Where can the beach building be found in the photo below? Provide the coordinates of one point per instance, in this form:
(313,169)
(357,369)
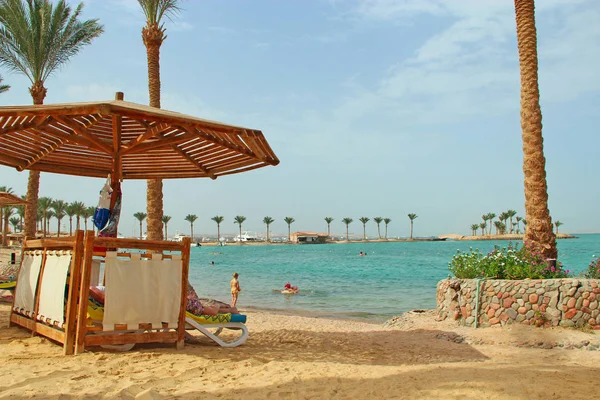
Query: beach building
(308,237)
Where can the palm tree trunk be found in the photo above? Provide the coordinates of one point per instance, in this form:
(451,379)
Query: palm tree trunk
(141,230)
(33,186)
(38,93)
(153,37)
(192,229)
(539,232)
(154,199)
(411,228)
(218,232)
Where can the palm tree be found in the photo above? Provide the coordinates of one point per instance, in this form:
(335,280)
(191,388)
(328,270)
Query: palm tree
(500,227)
(474,228)
(87,213)
(44,204)
(485,218)
(50,214)
(15,222)
(218,219)
(239,219)
(36,39)
(79,209)
(378,221)
(3,225)
(386,221)
(557,224)
(3,88)
(153,35)
(7,212)
(70,211)
(165,221)
(140,216)
(538,234)
(364,221)
(191,218)
(511,214)
(329,220)
(490,217)
(518,219)
(268,221)
(483,226)
(289,221)
(347,221)
(61,208)
(412,217)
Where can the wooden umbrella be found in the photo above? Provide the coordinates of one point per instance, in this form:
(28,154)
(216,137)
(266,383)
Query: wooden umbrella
(9,199)
(126,140)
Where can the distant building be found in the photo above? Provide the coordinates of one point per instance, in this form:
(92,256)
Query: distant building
(308,237)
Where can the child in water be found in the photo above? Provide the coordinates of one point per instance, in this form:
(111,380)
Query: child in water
(235,289)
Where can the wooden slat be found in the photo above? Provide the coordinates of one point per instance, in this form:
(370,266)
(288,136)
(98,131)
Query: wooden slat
(88,252)
(73,294)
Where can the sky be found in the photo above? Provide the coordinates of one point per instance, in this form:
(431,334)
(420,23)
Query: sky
(376,108)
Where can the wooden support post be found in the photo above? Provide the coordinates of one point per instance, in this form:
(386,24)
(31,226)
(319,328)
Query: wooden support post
(73,294)
(185,265)
(84,288)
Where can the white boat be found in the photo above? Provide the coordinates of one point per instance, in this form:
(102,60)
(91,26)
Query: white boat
(245,237)
(178,237)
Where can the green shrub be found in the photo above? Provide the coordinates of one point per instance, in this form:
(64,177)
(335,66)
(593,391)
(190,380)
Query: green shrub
(509,262)
(593,271)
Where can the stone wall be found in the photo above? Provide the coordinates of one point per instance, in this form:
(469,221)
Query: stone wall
(539,302)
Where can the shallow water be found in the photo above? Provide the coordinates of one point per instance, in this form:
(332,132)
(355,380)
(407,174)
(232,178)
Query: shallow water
(334,281)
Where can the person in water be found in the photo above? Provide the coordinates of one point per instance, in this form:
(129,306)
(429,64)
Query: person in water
(235,289)
(288,288)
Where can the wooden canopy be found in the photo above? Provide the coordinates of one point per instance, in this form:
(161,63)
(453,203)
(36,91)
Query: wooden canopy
(8,199)
(127,140)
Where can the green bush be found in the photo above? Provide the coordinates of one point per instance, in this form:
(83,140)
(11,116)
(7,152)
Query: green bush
(593,271)
(509,262)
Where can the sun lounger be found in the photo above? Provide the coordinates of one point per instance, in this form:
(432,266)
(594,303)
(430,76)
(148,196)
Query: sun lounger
(204,324)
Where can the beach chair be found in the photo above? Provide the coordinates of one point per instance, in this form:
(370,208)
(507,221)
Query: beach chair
(206,323)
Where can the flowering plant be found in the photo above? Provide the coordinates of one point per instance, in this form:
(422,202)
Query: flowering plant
(593,271)
(509,262)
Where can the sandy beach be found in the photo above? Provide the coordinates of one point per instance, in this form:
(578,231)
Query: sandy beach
(311,358)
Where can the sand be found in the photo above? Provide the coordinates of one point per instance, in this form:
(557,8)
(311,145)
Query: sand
(294,357)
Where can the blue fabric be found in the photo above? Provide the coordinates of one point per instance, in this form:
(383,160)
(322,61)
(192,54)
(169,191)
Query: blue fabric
(238,318)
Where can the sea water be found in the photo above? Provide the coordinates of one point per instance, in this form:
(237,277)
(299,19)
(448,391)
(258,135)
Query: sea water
(335,281)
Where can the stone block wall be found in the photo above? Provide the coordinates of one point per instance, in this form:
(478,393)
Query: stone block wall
(539,302)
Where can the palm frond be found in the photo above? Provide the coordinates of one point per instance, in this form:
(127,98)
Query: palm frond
(155,10)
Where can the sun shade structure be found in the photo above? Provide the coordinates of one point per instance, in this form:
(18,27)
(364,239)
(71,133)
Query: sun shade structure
(126,140)
(8,199)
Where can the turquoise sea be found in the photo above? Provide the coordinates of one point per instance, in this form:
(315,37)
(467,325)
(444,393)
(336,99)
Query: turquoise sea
(335,281)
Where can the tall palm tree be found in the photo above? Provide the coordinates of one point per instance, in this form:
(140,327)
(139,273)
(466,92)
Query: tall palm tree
(268,221)
(50,214)
(7,212)
(15,222)
(44,204)
(70,211)
(61,208)
(21,213)
(191,218)
(153,35)
(88,212)
(483,226)
(412,217)
(490,217)
(329,220)
(347,221)
(474,228)
(364,221)
(386,221)
(218,219)
(140,216)
(165,221)
(558,224)
(538,232)
(37,37)
(485,218)
(289,221)
(79,209)
(378,221)
(511,214)
(518,219)
(239,219)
